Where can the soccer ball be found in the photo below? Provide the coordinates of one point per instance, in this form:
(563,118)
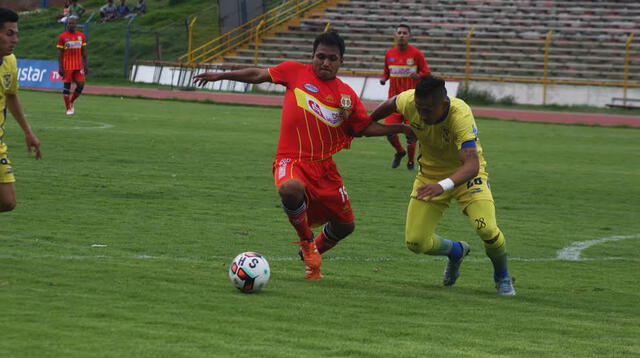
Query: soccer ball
(249,272)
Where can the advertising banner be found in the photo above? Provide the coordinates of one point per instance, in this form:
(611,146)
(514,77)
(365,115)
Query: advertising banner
(38,74)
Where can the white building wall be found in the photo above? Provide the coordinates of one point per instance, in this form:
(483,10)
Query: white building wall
(369,88)
(528,93)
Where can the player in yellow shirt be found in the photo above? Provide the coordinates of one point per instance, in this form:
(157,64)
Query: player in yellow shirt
(9,99)
(451,166)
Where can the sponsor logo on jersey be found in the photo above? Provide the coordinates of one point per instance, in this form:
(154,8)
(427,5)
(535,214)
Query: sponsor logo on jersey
(476,191)
(73,44)
(402,71)
(409,61)
(330,116)
(417,126)
(311,88)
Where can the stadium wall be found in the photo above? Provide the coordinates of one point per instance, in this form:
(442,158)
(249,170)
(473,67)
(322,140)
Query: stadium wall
(369,88)
(569,95)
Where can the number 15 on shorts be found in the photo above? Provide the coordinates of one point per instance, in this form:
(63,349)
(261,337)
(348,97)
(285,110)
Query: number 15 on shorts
(343,194)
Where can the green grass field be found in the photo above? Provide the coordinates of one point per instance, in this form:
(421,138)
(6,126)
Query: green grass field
(176,189)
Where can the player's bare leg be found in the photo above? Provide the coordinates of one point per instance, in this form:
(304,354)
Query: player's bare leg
(66,94)
(400,152)
(292,193)
(76,93)
(7,197)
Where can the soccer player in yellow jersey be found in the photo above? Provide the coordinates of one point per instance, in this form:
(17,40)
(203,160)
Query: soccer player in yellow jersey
(451,166)
(9,99)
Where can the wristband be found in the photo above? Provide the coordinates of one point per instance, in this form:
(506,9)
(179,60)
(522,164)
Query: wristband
(446,184)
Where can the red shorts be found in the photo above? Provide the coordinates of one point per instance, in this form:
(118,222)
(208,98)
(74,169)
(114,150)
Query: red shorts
(396,118)
(327,198)
(73,76)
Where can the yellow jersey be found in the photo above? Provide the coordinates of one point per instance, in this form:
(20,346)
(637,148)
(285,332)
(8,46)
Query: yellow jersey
(9,85)
(440,142)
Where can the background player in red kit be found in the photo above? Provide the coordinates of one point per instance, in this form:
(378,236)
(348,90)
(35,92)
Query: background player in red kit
(72,59)
(404,65)
(320,116)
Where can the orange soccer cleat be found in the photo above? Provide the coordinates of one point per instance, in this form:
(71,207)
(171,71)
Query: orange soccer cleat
(312,259)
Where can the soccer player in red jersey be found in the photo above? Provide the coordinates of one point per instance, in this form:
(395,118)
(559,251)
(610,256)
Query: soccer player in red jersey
(320,116)
(404,65)
(72,60)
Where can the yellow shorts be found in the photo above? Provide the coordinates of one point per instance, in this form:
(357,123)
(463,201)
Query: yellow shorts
(475,189)
(6,171)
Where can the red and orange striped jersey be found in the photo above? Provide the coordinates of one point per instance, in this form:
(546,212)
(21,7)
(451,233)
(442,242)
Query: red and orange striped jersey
(319,118)
(72,43)
(398,67)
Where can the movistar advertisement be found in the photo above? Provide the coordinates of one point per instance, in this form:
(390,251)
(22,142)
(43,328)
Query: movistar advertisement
(39,74)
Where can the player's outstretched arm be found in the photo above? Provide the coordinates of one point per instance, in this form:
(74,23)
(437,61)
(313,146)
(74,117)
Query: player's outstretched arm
(376,129)
(33,144)
(384,109)
(247,75)
(468,170)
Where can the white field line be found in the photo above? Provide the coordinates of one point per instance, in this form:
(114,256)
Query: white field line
(96,125)
(569,253)
(573,251)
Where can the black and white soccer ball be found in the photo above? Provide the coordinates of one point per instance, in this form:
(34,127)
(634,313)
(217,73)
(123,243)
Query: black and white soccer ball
(249,272)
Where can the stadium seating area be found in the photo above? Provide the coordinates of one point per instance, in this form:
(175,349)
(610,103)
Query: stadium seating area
(588,41)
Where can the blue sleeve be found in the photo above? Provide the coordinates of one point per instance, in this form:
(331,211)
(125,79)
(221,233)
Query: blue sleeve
(469,144)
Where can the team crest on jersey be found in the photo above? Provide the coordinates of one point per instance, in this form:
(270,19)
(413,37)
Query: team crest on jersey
(392,59)
(475,132)
(6,80)
(409,61)
(446,137)
(311,88)
(345,102)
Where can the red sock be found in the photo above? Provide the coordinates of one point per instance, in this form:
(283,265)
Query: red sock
(298,219)
(75,95)
(395,142)
(323,243)
(411,150)
(67,101)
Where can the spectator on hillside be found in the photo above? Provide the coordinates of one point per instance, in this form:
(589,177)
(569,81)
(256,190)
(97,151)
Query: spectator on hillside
(76,9)
(141,8)
(108,12)
(123,9)
(66,11)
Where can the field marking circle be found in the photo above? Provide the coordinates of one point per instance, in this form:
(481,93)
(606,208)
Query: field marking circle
(573,251)
(97,125)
